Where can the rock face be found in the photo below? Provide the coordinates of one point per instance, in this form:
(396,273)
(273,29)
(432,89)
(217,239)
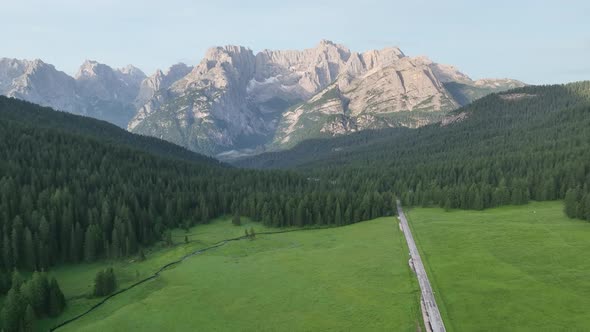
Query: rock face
(97,90)
(40,83)
(208,109)
(235,99)
(379,89)
(160,81)
(109,93)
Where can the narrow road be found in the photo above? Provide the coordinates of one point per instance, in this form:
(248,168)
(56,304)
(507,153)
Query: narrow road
(432,318)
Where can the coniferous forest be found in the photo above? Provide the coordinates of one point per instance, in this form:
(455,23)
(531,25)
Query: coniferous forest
(67,197)
(530,143)
(74,189)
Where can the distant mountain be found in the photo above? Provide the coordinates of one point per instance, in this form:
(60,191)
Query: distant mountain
(97,90)
(237,100)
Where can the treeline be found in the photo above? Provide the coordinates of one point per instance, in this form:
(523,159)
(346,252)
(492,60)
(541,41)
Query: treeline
(527,143)
(70,198)
(577,203)
(27,301)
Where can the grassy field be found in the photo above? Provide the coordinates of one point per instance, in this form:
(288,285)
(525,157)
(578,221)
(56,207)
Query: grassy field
(77,280)
(507,269)
(349,278)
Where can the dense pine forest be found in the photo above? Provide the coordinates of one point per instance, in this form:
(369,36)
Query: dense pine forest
(68,196)
(507,148)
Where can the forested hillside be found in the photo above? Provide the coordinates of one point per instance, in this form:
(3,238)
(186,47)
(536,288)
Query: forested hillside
(29,114)
(66,195)
(507,148)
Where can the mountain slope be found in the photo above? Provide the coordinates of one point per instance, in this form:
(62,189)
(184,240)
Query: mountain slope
(97,90)
(27,114)
(401,93)
(237,99)
(509,147)
(511,113)
(207,109)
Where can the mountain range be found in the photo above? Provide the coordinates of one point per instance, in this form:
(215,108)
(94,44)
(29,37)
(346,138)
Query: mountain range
(235,99)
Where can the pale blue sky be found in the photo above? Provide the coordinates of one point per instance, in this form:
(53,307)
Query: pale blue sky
(534,41)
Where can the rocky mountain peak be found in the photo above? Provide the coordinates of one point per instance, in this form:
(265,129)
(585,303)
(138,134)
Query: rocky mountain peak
(236,99)
(90,68)
(132,73)
(326,42)
(230,53)
(177,68)
(160,81)
(381,58)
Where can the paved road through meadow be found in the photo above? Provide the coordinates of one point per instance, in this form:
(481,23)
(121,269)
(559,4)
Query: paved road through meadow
(432,318)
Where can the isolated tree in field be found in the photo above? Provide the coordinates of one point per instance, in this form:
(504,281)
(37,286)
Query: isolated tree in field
(105,282)
(57,301)
(236,219)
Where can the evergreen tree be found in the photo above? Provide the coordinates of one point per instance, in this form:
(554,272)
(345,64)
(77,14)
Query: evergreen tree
(448,205)
(141,257)
(29,319)
(90,244)
(168,238)
(39,288)
(105,282)
(348,215)
(29,251)
(56,301)
(7,252)
(17,280)
(338,215)
(13,310)
(571,203)
(236,219)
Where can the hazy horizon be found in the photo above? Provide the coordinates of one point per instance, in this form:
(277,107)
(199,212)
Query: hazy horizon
(535,42)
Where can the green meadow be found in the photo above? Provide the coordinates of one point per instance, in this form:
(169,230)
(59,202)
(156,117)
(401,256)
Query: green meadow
(348,278)
(516,268)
